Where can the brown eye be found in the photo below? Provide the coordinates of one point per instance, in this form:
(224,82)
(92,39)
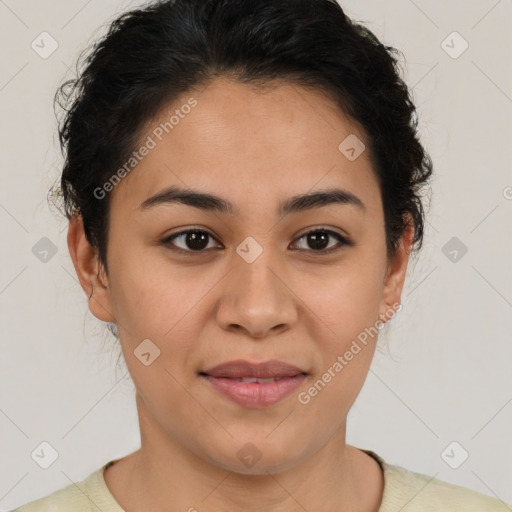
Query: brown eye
(193,240)
(197,241)
(318,240)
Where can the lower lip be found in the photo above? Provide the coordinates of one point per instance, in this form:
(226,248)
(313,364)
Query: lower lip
(255,394)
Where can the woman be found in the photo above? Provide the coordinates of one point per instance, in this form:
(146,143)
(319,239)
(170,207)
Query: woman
(243,185)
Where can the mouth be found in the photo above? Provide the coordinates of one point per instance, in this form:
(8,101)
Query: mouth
(240,369)
(249,379)
(254,385)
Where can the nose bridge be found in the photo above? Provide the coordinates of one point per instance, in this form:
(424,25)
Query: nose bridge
(256,299)
(258,277)
(259,288)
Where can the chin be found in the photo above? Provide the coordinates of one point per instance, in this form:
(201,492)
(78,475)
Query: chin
(258,458)
(262,467)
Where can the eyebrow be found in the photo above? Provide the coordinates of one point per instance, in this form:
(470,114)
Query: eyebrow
(210,202)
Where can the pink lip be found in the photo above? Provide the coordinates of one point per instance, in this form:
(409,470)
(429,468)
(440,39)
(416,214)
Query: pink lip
(255,394)
(226,378)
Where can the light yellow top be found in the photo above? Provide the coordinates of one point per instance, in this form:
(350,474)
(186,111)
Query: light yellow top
(404,491)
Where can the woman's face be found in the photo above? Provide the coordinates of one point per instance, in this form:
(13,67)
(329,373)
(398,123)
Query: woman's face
(253,288)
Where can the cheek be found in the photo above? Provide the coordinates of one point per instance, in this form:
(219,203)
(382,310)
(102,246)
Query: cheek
(345,329)
(151,295)
(163,303)
(346,299)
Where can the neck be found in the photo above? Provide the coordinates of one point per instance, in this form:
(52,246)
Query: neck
(165,476)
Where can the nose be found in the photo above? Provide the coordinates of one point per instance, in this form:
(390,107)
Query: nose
(256,299)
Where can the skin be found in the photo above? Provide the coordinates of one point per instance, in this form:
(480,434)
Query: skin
(255,148)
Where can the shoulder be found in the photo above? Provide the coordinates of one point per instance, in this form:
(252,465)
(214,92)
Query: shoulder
(430,493)
(85,496)
(71,498)
(416,492)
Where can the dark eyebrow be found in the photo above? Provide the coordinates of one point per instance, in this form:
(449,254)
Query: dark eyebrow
(210,202)
(318,199)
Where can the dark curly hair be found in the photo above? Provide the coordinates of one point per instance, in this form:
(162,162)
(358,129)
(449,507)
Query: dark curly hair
(152,55)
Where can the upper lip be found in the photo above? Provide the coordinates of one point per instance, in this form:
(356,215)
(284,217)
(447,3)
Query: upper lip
(240,368)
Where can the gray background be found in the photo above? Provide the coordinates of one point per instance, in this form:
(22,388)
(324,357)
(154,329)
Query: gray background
(447,373)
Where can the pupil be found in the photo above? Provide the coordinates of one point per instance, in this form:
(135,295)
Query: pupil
(197,241)
(318,240)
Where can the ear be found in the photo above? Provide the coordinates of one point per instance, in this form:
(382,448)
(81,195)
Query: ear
(90,271)
(395,274)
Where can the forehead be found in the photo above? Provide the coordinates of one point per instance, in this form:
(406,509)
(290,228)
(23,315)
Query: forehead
(248,144)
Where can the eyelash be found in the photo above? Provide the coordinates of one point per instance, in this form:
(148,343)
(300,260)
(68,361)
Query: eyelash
(343,241)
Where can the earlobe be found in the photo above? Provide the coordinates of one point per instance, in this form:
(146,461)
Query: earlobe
(90,272)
